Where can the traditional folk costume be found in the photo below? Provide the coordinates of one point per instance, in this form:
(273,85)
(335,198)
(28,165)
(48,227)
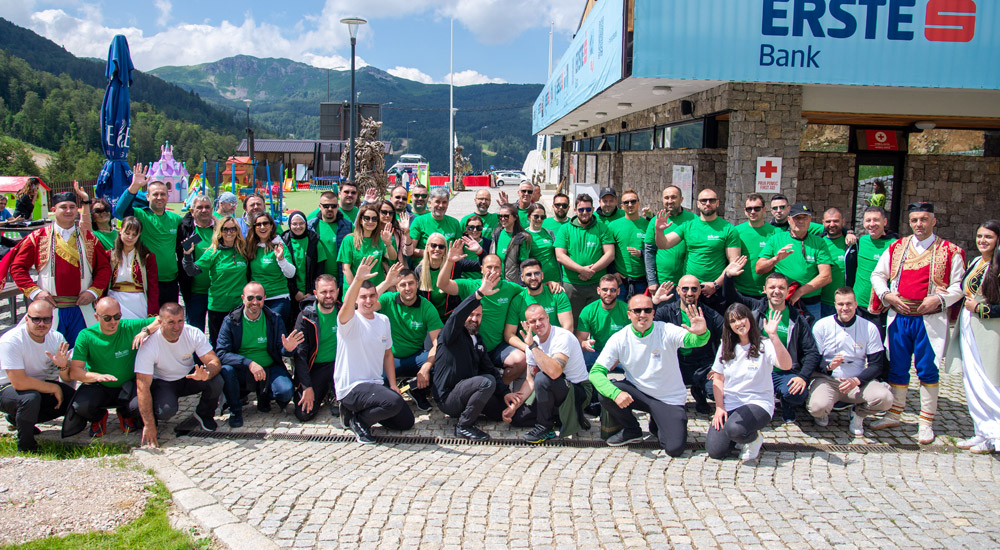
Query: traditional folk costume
(135,285)
(68,262)
(915,270)
(975,349)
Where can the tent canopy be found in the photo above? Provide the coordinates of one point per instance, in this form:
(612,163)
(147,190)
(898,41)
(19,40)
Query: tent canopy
(13,184)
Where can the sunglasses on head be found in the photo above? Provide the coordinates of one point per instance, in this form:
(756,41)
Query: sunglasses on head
(40,320)
(107,318)
(369,218)
(435,246)
(641,310)
(254,298)
(753,208)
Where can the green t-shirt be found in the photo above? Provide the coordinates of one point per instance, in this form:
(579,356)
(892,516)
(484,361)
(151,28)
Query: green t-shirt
(350,215)
(107,239)
(110,354)
(299,246)
(410,324)
(425,226)
(159,235)
(706,246)
(617,215)
(628,233)
(522,214)
(782,331)
(752,241)
(602,323)
(352,257)
(495,309)
(803,264)
(254,343)
(814,229)
(201,282)
(503,242)
(553,224)
(265,270)
(490,222)
(669,262)
(227,271)
(554,304)
(837,249)
(543,250)
(585,246)
(329,246)
(326,348)
(869,252)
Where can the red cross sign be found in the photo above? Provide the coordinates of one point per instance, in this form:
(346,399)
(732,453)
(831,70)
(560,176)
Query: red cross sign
(768,174)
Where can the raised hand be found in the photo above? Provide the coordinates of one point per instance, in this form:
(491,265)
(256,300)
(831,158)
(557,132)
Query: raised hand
(293,340)
(735,268)
(371,195)
(662,220)
(772,322)
(80,192)
(471,245)
(61,358)
(502,198)
(489,285)
(457,251)
(392,276)
(404,223)
(785,252)
(386,234)
(279,252)
(663,293)
(139,174)
(200,373)
(365,268)
(697,319)
(526,335)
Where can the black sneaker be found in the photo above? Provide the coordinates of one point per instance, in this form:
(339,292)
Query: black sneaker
(419,397)
(264,404)
(236,419)
(334,407)
(207,423)
(623,438)
(345,417)
(363,434)
(471,433)
(539,434)
(701,407)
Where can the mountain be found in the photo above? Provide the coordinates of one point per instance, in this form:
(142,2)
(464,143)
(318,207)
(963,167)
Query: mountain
(493,121)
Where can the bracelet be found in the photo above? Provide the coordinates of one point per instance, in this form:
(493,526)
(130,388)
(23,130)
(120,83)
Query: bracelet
(533,345)
(479,295)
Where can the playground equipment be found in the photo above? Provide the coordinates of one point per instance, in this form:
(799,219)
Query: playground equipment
(171,172)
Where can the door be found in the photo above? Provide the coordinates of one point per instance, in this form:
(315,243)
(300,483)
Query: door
(879,182)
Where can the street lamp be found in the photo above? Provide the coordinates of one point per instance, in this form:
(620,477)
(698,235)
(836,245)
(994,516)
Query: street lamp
(408,135)
(352,27)
(249,131)
(482,148)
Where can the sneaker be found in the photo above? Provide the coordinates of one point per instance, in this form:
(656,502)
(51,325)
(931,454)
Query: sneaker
(207,423)
(236,419)
(751,450)
(925,434)
(335,408)
(984,447)
(345,416)
(471,433)
(822,421)
(419,397)
(885,423)
(971,442)
(361,433)
(539,434)
(127,424)
(264,404)
(841,406)
(701,407)
(99,428)
(857,426)
(593,409)
(623,438)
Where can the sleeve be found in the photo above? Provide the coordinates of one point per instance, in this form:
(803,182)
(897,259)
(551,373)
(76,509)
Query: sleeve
(732,238)
(649,255)
(717,366)
(954,293)
(146,357)
(101,270)
(386,298)
(609,355)
(851,265)
(880,276)
(767,348)
(562,302)
(431,318)
(606,236)
(692,340)
(81,350)
(387,329)
(809,357)
(415,230)
(287,268)
(226,348)
(823,256)
(770,246)
(819,334)
(563,344)
(301,356)
(10,356)
(585,321)
(456,321)
(344,254)
(466,287)
(124,207)
(516,310)
(599,378)
(874,339)
(25,256)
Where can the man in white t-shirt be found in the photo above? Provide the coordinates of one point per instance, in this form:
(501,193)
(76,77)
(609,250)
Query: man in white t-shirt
(364,352)
(647,351)
(557,375)
(165,370)
(32,360)
(853,354)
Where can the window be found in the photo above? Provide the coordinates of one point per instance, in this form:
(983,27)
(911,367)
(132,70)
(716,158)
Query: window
(641,141)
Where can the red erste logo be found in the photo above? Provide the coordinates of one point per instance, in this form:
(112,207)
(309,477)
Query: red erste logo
(950,21)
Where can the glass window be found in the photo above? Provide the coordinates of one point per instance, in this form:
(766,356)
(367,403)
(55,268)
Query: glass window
(641,141)
(687,136)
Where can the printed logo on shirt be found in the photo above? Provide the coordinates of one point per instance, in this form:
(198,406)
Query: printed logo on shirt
(714,238)
(266,260)
(416,325)
(173,231)
(503,300)
(615,327)
(187,357)
(261,340)
(753,364)
(656,353)
(120,354)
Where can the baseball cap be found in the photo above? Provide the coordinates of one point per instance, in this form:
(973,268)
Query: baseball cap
(228,196)
(607,191)
(799,209)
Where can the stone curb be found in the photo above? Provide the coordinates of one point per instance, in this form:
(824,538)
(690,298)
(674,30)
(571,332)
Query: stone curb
(201,506)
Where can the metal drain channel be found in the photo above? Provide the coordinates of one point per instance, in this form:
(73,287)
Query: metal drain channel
(576,443)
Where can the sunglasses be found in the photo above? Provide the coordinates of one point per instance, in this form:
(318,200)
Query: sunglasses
(753,208)
(642,310)
(585,210)
(423,196)
(524,192)
(531,275)
(473,228)
(369,218)
(629,203)
(434,246)
(99,211)
(42,320)
(538,217)
(107,318)
(560,205)
(262,224)
(328,206)
(503,216)
(387,212)
(615,290)
(689,289)
(229,229)
(348,192)
(254,298)
(708,201)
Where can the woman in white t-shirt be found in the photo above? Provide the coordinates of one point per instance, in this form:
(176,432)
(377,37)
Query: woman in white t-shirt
(744,392)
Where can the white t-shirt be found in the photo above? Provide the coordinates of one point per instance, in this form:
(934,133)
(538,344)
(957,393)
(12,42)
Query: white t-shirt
(855,342)
(361,346)
(171,361)
(748,380)
(563,341)
(650,362)
(19,352)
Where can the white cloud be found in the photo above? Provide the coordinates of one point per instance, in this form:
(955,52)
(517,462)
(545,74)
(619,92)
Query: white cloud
(470,77)
(411,73)
(164,7)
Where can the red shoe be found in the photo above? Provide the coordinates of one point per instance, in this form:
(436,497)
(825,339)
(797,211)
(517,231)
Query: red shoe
(127,424)
(99,428)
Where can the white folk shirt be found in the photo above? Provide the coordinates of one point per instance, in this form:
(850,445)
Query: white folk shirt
(650,361)
(169,361)
(563,341)
(748,379)
(19,352)
(855,343)
(361,347)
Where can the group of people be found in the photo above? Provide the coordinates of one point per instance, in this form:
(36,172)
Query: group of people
(544,322)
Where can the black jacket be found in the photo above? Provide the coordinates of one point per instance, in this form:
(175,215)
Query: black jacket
(670,312)
(305,355)
(314,268)
(231,336)
(457,357)
(344,228)
(185,230)
(512,256)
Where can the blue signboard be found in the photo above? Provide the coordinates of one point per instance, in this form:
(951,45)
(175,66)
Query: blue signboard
(591,64)
(912,43)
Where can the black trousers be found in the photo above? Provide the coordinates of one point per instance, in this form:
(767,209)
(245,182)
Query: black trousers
(742,425)
(165,395)
(471,398)
(215,319)
(93,400)
(670,420)
(376,404)
(168,291)
(28,408)
(880,322)
(549,396)
(321,377)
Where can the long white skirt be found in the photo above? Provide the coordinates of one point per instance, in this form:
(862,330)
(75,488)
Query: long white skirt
(133,304)
(982,396)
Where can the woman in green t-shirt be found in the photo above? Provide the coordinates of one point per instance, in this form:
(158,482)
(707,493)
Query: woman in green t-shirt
(265,254)
(511,242)
(542,246)
(370,238)
(227,271)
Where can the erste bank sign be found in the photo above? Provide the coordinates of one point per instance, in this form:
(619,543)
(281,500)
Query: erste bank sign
(917,43)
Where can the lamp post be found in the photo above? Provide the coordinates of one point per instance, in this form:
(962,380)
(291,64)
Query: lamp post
(408,135)
(482,148)
(352,27)
(249,131)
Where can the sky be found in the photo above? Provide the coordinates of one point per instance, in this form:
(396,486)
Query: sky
(495,40)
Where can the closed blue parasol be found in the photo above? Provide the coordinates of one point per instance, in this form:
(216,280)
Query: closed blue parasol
(116,113)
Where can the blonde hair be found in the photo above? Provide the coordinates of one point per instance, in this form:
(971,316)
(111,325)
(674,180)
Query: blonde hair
(426,284)
(217,235)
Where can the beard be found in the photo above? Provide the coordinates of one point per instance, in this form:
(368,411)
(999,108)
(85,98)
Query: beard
(472,328)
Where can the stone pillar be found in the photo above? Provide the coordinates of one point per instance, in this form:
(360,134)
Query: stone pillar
(991,143)
(765,122)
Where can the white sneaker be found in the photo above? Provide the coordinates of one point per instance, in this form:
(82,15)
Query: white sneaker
(857,426)
(925,434)
(984,448)
(971,442)
(751,450)
(822,421)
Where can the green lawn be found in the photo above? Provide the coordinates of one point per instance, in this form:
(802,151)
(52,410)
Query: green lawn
(55,450)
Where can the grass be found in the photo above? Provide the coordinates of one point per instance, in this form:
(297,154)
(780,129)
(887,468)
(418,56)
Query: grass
(151,530)
(56,450)
(866,171)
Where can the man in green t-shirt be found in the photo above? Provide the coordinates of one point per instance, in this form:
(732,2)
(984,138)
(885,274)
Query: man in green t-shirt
(666,265)
(483,201)
(780,211)
(628,232)
(560,211)
(348,203)
(104,362)
(438,221)
(861,259)
(801,257)
(836,244)
(585,249)
(753,237)
(601,319)
(556,305)
(315,356)
(331,227)
(413,319)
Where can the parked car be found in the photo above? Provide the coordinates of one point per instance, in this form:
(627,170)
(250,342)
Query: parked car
(511,176)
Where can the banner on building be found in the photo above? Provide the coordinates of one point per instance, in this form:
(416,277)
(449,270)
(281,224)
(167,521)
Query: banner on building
(768,175)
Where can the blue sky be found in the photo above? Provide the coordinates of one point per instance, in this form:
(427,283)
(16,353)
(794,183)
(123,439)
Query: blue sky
(495,40)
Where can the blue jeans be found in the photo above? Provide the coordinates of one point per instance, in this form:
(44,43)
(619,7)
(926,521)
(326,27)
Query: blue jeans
(278,380)
(195,309)
(631,287)
(281,306)
(407,367)
(826,310)
(788,400)
(816,310)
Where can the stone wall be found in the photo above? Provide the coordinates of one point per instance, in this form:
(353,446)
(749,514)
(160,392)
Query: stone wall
(826,180)
(648,172)
(964,191)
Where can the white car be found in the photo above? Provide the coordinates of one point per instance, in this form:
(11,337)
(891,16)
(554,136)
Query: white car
(511,177)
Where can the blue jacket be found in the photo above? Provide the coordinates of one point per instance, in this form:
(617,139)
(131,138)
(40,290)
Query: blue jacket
(231,336)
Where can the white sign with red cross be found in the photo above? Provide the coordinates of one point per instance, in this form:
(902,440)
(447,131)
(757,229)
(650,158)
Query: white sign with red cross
(768,174)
